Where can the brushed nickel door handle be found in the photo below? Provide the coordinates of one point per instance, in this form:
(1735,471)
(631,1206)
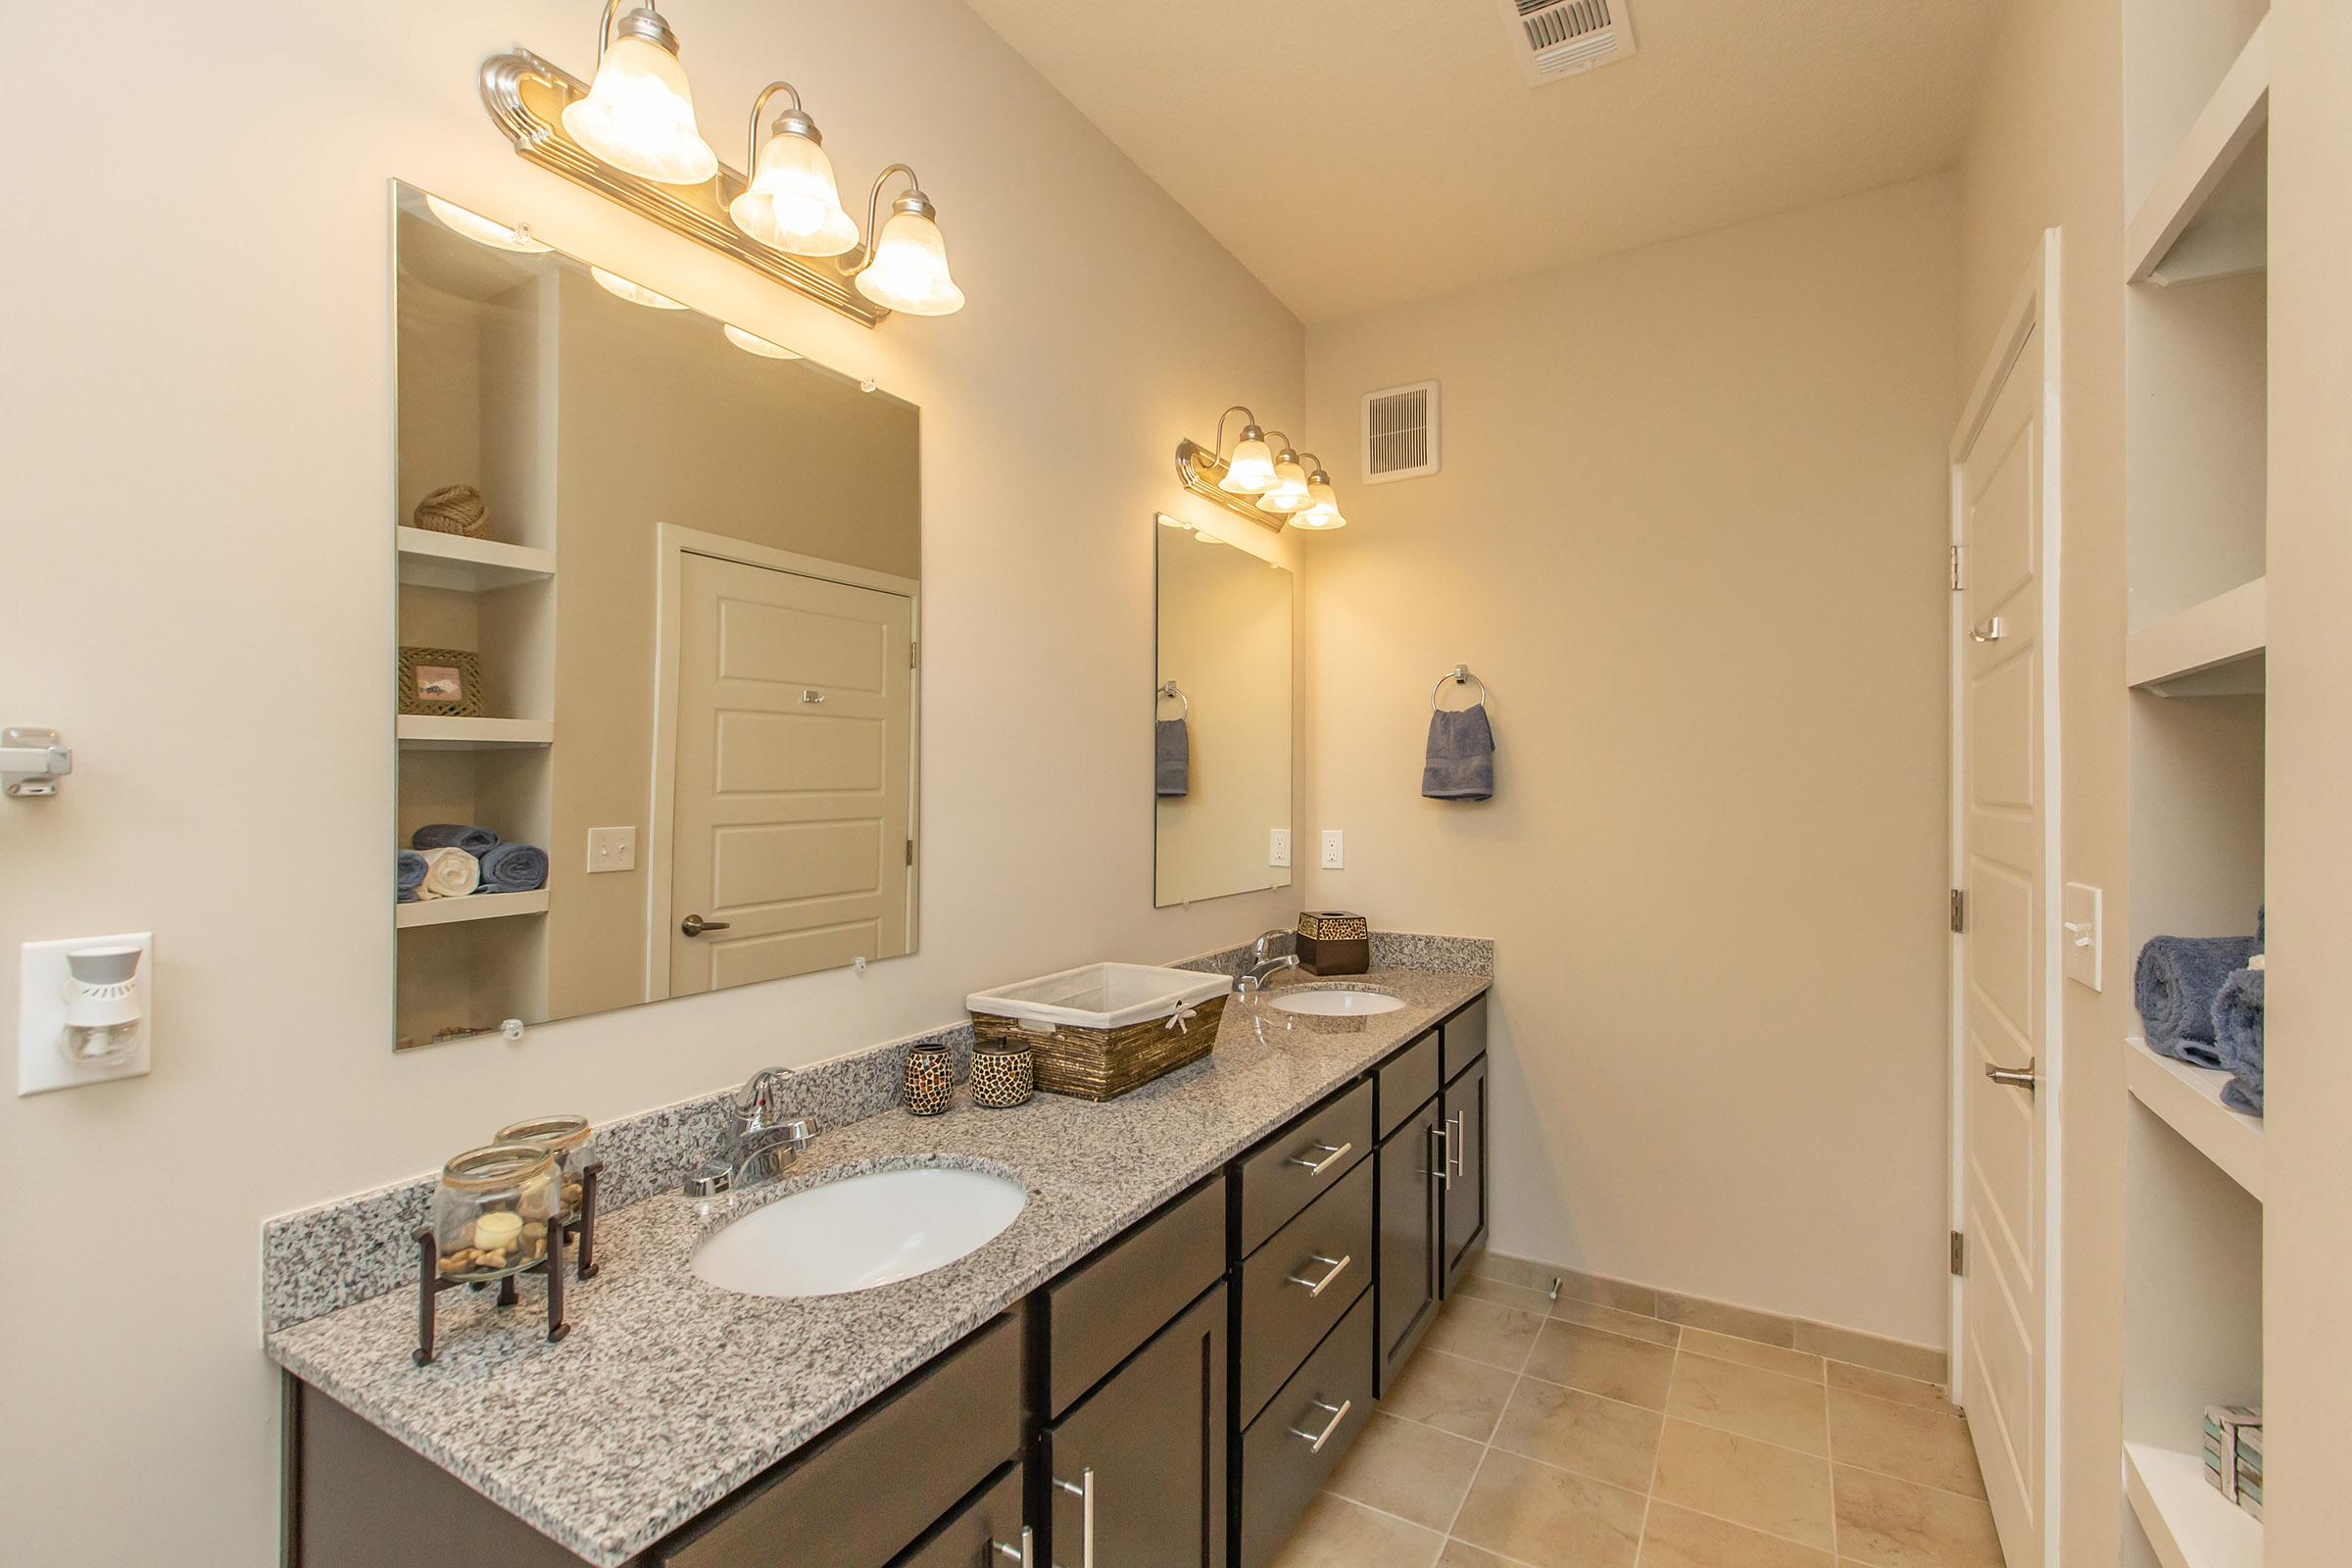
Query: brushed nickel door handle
(694,925)
(1083,1492)
(1025,1553)
(1990,632)
(2013,1077)
(1316,1440)
(1443,1133)
(1458,1133)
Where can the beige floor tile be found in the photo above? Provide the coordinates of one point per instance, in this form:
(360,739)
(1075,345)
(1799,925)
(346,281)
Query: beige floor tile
(1886,1386)
(1697,1312)
(1898,1357)
(1750,1352)
(1750,1401)
(1549,1518)
(1525,1297)
(1462,1554)
(1776,1490)
(1337,1533)
(1677,1538)
(1929,1447)
(1582,1432)
(1453,1394)
(1633,1325)
(1609,1364)
(1484,1331)
(1886,1522)
(1414,1472)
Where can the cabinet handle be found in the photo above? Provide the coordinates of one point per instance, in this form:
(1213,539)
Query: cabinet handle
(1317,1167)
(1316,1440)
(1458,1133)
(1442,1134)
(1338,1266)
(1083,1492)
(1025,1553)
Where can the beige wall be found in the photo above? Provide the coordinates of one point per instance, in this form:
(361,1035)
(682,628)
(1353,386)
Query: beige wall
(197,444)
(1690,531)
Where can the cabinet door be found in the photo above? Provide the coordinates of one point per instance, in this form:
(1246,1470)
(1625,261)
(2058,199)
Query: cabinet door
(1145,1455)
(984,1533)
(1409,1241)
(1464,1206)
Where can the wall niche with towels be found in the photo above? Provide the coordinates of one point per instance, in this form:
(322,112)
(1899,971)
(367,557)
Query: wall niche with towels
(660,595)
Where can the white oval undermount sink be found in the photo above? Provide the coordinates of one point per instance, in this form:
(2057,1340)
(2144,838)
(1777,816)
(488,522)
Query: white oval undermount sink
(860,1232)
(1336,1003)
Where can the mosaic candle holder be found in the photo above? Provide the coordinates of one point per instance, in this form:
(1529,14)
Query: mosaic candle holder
(930,1080)
(1003,1075)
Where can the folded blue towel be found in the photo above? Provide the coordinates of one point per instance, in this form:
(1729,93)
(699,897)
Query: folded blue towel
(2175,986)
(411,876)
(513,868)
(1461,764)
(474,841)
(1171,757)
(2237,1038)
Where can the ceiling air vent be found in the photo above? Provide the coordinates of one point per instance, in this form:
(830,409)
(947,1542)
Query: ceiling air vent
(1400,432)
(1555,38)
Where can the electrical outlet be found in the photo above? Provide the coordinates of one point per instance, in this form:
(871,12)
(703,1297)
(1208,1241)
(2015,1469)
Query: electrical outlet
(1278,847)
(1332,859)
(612,848)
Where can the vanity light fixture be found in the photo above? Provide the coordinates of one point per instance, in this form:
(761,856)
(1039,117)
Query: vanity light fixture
(1288,491)
(1323,502)
(1255,482)
(484,230)
(752,343)
(792,202)
(635,293)
(639,113)
(907,267)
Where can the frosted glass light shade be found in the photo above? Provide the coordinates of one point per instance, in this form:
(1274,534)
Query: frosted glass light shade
(483,231)
(752,343)
(639,116)
(1250,473)
(1323,505)
(792,203)
(1288,491)
(909,269)
(635,293)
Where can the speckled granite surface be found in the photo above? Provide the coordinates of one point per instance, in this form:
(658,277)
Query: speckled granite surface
(671,1392)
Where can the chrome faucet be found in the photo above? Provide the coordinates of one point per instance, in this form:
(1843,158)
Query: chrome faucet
(761,1139)
(1254,980)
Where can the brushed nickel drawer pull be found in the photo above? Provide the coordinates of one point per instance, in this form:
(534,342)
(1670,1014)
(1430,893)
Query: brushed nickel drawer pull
(1317,1167)
(1443,1162)
(1025,1553)
(1083,1492)
(1337,1265)
(1316,1440)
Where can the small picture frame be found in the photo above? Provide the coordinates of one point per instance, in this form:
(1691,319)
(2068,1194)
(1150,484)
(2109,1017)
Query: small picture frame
(443,681)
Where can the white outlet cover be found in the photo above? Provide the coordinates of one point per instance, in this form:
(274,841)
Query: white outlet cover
(1278,847)
(2084,938)
(41,976)
(1334,855)
(612,848)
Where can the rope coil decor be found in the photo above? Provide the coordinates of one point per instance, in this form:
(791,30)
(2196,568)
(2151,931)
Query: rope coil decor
(454,509)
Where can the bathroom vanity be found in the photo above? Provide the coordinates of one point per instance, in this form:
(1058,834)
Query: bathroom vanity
(1211,1285)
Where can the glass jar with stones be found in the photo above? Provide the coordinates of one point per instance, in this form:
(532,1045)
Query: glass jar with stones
(493,1209)
(929,1084)
(1002,1074)
(571,1141)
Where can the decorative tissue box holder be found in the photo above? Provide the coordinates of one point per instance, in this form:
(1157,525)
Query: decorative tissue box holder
(1334,942)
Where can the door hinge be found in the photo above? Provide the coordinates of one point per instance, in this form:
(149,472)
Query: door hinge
(914,656)
(1959,911)
(1955,568)
(910,852)
(1959,1251)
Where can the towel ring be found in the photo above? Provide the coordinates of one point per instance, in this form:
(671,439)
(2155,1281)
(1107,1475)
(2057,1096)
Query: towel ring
(1460,675)
(1167,689)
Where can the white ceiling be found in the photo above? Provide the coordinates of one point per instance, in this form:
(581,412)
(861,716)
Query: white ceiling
(1357,155)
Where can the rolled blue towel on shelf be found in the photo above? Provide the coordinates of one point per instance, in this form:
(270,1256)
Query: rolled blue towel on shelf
(2175,987)
(2237,1039)
(474,841)
(1171,757)
(411,876)
(513,868)
(1460,761)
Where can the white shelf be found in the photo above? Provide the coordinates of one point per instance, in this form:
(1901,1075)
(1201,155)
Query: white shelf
(2196,191)
(473,906)
(2189,1101)
(2213,649)
(429,560)
(2191,1524)
(424,732)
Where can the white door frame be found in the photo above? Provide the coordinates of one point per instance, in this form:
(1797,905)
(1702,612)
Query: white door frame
(672,544)
(2032,316)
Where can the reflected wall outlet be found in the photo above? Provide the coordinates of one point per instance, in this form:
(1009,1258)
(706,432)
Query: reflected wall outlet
(42,973)
(1278,847)
(1332,859)
(2082,938)
(612,848)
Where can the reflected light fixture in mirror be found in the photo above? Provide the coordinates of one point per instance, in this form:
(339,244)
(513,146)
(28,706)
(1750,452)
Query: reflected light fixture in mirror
(907,269)
(639,113)
(482,230)
(635,293)
(752,343)
(792,202)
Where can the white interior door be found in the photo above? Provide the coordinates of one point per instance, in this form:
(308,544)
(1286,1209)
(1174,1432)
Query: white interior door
(792,849)
(2003,960)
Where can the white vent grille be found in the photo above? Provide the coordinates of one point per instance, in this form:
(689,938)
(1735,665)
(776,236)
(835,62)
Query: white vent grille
(1400,432)
(1555,38)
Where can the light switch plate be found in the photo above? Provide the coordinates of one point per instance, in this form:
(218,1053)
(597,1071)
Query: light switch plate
(1333,857)
(612,848)
(41,976)
(2082,938)
(1278,847)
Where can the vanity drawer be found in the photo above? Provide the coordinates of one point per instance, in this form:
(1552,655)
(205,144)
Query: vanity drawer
(1407,1079)
(901,1465)
(1464,1037)
(1280,1470)
(970,1534)
(1302,1163)
(1330,1249)
(1101,1311)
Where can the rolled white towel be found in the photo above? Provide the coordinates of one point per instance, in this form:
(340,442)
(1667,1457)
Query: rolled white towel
(450,874)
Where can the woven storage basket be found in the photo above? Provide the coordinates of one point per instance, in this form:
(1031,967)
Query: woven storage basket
(1104,1063)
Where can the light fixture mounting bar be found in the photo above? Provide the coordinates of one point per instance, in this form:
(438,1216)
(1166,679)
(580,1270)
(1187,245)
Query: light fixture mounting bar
(526,97)
(1201,469)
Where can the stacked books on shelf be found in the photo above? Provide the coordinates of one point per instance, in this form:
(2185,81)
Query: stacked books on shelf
(2233,1453)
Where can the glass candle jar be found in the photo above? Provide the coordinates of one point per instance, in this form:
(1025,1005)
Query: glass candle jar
(569,1140)
(1004,1074)
(493,1209)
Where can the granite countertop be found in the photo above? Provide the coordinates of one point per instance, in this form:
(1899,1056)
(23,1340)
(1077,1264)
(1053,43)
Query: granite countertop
(671,1393)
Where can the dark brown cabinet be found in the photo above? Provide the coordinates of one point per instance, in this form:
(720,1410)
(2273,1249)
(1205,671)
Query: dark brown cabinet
(1406,1277)
(986,1530)
(1136,1473)
(1462,1217)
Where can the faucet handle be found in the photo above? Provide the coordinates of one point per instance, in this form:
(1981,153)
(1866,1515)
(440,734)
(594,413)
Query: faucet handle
(761,1095)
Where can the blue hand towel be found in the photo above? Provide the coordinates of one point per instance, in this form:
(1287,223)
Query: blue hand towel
(1460,764)
(513,868)
(1171,757)
(474,841)
(2175,986)
(411,876)
(2237,1038)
